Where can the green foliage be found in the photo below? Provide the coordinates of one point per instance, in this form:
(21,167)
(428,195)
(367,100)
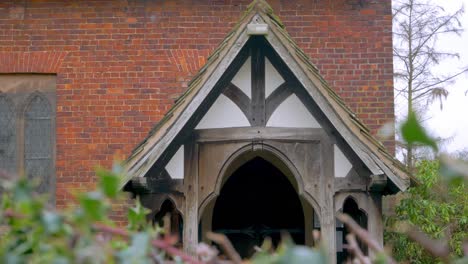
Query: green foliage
(437,207)
(413,132)
(138,251)
(32,232)
(108,183)
(137,217)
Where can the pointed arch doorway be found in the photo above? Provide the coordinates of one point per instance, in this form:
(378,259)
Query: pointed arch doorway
(258,199)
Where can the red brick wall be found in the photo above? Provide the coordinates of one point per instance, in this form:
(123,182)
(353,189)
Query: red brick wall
(122,63)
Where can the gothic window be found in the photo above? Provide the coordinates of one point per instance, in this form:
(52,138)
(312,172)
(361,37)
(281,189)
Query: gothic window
(7,136)
(38,142)
(173,218)
(27,127)
(351,208)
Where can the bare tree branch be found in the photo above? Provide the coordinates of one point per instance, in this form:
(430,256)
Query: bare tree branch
(363,235)
(226,245)
(354,248)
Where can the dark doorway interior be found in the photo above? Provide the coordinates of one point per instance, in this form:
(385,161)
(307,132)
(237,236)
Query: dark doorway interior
(351,208)
(169,213)
(258,201)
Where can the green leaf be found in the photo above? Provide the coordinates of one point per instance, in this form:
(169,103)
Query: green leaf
(22,191)
(461,261)
(117,168)
(380,258)
(413,132)
(137,216)
(108,183)
(60,260)
(52,222)
(288,253)
(302,254)
(93,205)
(137,252)
(12,258)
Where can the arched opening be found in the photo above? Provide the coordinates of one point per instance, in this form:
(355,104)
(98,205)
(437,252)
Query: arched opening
(7,136)
(351,208)
(169,218)
(258,201)
(38,142)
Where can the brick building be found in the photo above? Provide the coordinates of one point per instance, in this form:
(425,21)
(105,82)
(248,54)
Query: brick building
(84,82)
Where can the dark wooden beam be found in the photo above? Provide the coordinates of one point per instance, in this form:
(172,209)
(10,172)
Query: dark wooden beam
(276,98)
(258,84)
(240,99)
(278,64)
(259,133)
(143,185)
(378,183)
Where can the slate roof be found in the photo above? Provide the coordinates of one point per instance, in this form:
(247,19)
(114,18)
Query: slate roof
(368,148)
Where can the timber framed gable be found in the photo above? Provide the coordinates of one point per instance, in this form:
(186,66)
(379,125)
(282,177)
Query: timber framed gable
(301,78)
(259,100)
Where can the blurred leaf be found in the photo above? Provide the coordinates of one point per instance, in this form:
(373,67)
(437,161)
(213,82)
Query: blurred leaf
(108,183)
(288,253)
(22,191)
(413,132)
(453,169)
(380,259)
(302,254)
(117,168)
(461,261)
(137,252)
(12,258)
(89,251)
(52,221)
(60,260)
(93,206)
(137,216)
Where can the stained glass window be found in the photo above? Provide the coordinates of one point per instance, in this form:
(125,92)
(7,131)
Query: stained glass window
(7,136)
(38,142)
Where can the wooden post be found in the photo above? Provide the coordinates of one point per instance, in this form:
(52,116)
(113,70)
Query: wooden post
(374,219)
(327,219)
(308,222)
(190,236)
(328,232)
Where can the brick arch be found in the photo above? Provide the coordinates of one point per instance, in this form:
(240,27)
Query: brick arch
(188,60)
(31,62)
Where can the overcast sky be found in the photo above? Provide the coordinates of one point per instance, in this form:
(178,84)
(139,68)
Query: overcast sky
(452,120)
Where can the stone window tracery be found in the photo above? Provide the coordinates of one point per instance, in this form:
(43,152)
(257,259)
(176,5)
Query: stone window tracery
(38,142)
(7,135)
(27,128)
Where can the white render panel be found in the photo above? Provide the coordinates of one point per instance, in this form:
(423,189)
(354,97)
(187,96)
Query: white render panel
(175,167)
(342,164)
(292,113)
(272,78)
(243,78)
(223,113)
